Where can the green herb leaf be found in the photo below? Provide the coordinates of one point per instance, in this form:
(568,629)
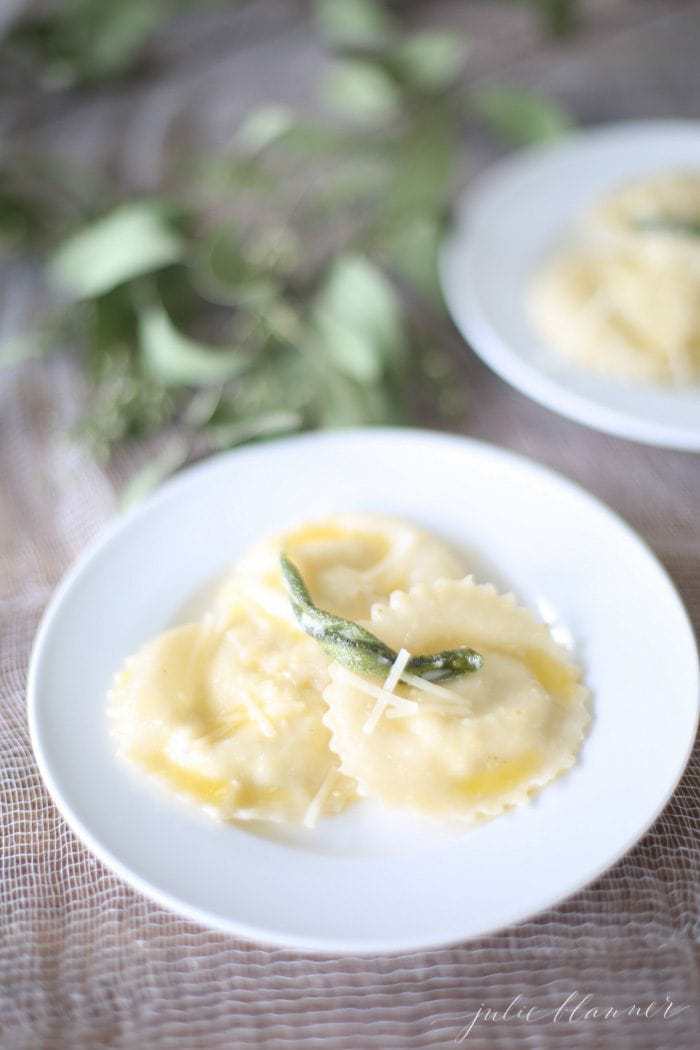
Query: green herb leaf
(264,126)
(449,663)
(117,32)
(124,401)
(286,239)
(343,402)
(347,642)
(177,360)
(362,91)
(352,22)
(225,274)
(519,116)
(264,425)
(412,251)
(337,400)
(431,60)
(424,164)
(358,319)
(357,648)
(132,240)
(281,381)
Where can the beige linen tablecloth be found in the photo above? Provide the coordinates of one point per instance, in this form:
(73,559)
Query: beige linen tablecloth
(85,962)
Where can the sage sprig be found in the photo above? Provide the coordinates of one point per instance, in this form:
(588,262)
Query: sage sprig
(286,283)
(357,648)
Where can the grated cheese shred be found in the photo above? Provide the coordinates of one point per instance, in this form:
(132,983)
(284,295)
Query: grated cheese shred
(387,691)
(435,690)
(408,707)
(438,699)
(316,805)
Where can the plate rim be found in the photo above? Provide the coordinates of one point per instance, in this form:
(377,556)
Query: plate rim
(494,350)
(255,933)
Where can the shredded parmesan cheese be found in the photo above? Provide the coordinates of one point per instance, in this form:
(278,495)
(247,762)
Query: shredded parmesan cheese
(409,707)
(447,695)
(317,802)
(392,680)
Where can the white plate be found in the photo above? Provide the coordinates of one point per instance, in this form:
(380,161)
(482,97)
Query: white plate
(522,208)
(368,881)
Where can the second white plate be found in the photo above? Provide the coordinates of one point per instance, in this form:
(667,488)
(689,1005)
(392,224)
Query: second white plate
(370,880)
(521,209)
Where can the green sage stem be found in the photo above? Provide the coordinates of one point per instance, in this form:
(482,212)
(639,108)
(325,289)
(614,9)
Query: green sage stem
(357,648)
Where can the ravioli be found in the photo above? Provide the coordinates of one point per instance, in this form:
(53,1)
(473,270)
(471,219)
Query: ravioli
(623,297)
(348,561)
(231,719)
(245,715)
(228,712)
(501,734)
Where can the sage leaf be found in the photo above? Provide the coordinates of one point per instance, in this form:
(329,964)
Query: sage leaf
(338,400)
(264,126)
(352,22)
(266,425)
(83,40)
(358,319)
(358,649)
(308,140)
(357,356)
(347,642)
(431,60)
(362,91)
(176,360)
(117,32)
(519,116)
(343,402)
(424,164)
(132,240)
(412,251)
(222,275)
(281,380)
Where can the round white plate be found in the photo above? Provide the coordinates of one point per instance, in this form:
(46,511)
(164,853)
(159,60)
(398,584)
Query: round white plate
(369,880)
(521,210)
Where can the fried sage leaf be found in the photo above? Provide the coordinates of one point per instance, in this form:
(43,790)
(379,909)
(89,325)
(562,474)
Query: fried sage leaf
(357,648)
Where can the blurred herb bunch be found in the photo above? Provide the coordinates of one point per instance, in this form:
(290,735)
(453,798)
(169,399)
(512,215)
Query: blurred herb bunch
(267,291)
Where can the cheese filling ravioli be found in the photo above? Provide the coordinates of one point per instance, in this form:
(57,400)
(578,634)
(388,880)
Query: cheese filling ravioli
(228,712)
(623,297)
(231,719)
(349,561)
(251,718)
(480,743)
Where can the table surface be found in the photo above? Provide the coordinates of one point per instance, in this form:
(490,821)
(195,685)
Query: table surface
(84,961)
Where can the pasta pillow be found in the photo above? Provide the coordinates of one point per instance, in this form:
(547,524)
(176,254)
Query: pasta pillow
(348,561)
(479,743)
(231,719)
